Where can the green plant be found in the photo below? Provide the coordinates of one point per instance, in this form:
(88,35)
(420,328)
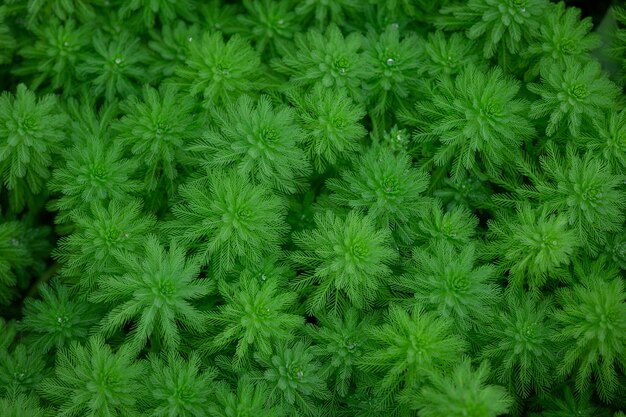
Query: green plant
(179,387)
(157,129)
(229,221)
(573,92)
(114,67)
(293,375)
(464,393)
(349,258)
(593,328)
(257,140)
(157,291)
(533,245)
(409,349)
(329,59)
(448,281)
(220,71)
(32,131)
(521,346)
(255,315)
(496,24)
(477,118)
(387,186)
(235,208)
(330,121)
(91,379)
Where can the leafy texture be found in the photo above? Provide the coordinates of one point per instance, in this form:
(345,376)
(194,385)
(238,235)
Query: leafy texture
(32,131)
(520,344)
(477,118)
(329,59)
(303,208)
(448,281)
(393,61)
(93,380)
(585,190)
(593,328)
(563,36)
(218,70)
(607,139)
(255,316)
(340,343)
(349,258)
(179,387)
(94,171)
(157,291)
(409,348)
(57,318)
(271,25)
(248,397)
(52,60)
(572,92)
(294,378)
(463,393)
(496,24)
(387,187)
(331,124)
(259,141)
(155,129)
(229,220)
(114,67)
(90,250)
(456,226)
(533,246)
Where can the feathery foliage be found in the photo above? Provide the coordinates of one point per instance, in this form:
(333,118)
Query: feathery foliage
(157,291)
(585,190)
(156,129)
(114,67)
(255,316)
(269,24)
(477,118)
(179,387)
(456,226)
(56,319)
(51,61)
(89,250)
(592,316)
(506,25)
(302,208)
(340,342)
(564,35)
(349,259)
(31,128)
(229,220)
(249,397)
(520,344)
(463,393)
(219,71)
(574,92)
(94,171)
(387,186)
(607,139)
(448,281)
(409,349)
(393,61)
(294,377)
(328,59)
(92,380)
(331,124)
(533,245)
(259,141)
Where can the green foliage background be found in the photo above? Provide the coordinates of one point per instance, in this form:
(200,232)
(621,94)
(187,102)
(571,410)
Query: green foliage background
(312,208)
